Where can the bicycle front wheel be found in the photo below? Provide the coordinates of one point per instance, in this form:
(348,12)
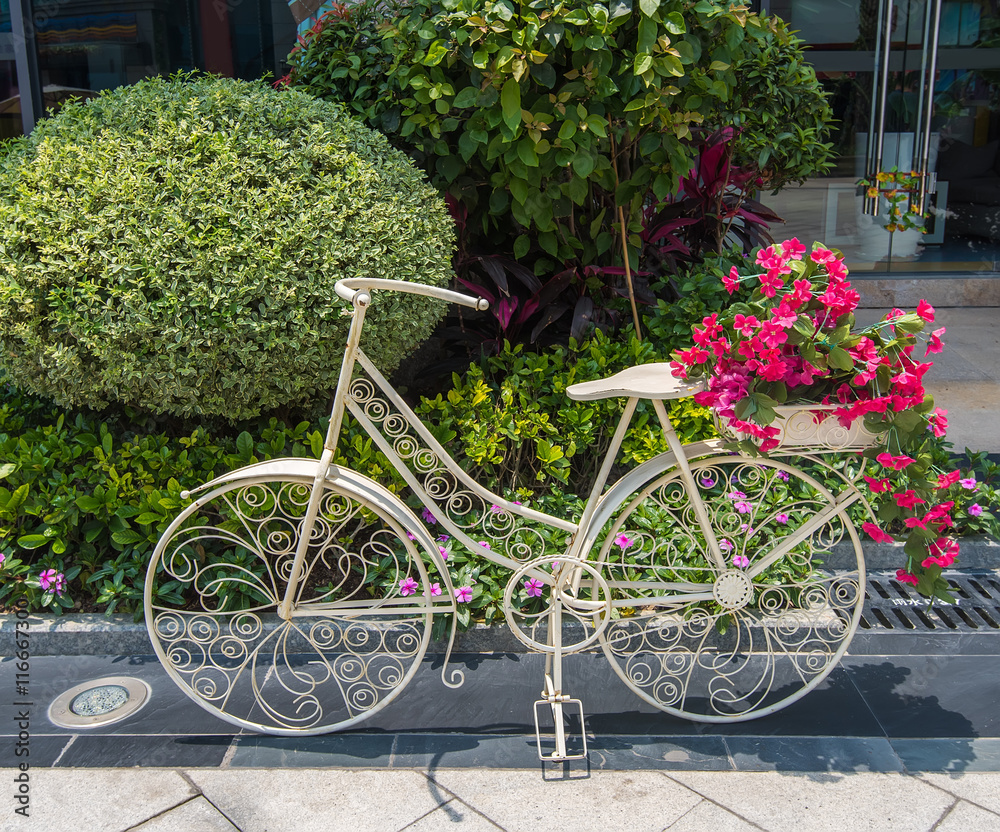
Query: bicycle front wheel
(361,615)
(728,642)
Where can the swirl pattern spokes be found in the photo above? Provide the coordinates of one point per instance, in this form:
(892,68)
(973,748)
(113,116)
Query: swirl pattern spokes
(686,641)
(359,620)
(469,509)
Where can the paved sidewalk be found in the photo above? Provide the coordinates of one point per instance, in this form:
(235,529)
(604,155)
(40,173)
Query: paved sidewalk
(338,800)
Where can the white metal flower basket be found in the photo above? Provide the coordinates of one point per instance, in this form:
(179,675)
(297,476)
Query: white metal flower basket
(808,425)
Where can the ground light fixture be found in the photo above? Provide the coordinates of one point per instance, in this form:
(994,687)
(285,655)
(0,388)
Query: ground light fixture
(99,702)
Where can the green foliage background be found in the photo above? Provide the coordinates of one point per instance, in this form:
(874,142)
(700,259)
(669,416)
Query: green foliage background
(173,245)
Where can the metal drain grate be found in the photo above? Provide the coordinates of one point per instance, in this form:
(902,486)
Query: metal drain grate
(890,605)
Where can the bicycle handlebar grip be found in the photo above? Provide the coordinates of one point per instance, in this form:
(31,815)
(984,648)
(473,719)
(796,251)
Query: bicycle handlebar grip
(349,287)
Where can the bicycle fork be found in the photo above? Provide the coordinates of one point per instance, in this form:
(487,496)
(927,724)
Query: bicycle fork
(554,697)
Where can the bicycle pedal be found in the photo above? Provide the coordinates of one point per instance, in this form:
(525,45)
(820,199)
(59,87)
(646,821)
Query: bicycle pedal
(561,752)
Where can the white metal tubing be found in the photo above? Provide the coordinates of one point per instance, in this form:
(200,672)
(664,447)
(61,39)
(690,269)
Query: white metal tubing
(348,287)
(930,43)
(360,302)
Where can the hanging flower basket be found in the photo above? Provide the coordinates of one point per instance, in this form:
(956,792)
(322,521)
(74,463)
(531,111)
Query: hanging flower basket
(788,368)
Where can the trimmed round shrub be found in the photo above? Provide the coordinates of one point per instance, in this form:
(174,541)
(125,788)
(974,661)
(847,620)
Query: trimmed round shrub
(174,245)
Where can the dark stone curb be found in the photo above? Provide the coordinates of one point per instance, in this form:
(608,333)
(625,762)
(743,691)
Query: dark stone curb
(119,635)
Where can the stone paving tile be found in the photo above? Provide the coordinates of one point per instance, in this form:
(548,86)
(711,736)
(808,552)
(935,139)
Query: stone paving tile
(261,800)
(965,817)
(523,801)
(106,800)
(982,788)
(453,815)
(196,815)
(706,815)
(837,754)
(787,802)
(949,755)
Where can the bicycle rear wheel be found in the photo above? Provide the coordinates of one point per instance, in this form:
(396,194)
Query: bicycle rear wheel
(725,644)
(361,619)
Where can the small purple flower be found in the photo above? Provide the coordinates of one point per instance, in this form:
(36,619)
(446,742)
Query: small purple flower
(485,545)
(411,535)
(495,509)
(706,481)
(743,507)
(443,551)
(736,495)
(463,594)
(3,557)
(975,509)
(52,581)
(783,475)
(407,586)
(782,518)
(623,541)
(726,546)
(442,538)
(534,587)
(435,589)
(741,561)
(969,483)
(428,517)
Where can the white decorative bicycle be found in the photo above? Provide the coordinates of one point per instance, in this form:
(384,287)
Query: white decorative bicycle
(295,596)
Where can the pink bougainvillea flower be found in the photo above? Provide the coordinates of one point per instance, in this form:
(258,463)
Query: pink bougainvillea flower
(897,463)
(533,586)
(907,499)
(925,311)
(428,517)
(731,281)
(934,344)
(782,518)
(949,479)
(875,533)
(975,509)
(793,248)
(969,483)
(407,586)
(905,577)
(463,594)
(938,421)
(877,486)
(623,541)
(741,561)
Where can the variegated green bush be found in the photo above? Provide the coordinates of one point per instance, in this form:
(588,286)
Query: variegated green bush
(174,246)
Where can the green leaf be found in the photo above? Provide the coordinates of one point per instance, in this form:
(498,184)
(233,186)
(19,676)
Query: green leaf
(642,63)
(244,445)
(841,359)
(466,97)
(510,102)
(583,163)
(7,469)
(32,541)
(519,190)
(526,152)
(435,53)
(649,7)
(521,246)
(126,537)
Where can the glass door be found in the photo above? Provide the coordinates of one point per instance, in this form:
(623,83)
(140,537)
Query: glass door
(915,86)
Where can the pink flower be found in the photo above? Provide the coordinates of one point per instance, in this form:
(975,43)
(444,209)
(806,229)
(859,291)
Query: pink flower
(726,546)
(52,581)
(435,589)
(463,594)
(731,281)
(935,345)
(407,586)
(793,248)
(495,509)
(443,551)
(907,499)
(428,517)
(411,535)
(706,481)
(875,533)
(533,586)
(783,475)
(745,324)
(822,255)
(741,561)
(3,557)
(485,545)
(743,507)
(969,483)
(948,480)
(442,538)
(938,421)
(782,518)
(623,541)
(770,283)
(897,463)
(975,509)
(877,486)
(925,311)
(905,577)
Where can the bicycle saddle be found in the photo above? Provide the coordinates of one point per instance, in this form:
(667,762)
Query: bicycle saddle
(645,381)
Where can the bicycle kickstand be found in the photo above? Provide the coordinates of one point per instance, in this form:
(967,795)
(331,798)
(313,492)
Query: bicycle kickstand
(555,698)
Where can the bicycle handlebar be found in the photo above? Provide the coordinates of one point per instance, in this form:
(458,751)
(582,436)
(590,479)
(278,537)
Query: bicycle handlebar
(351,288)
